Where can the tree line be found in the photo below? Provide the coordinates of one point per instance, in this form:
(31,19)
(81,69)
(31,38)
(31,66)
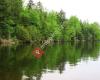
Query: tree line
(33,23)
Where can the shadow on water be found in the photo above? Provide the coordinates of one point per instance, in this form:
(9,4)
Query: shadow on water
(18,61)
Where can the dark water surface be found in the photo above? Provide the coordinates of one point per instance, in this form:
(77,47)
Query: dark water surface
(80,61)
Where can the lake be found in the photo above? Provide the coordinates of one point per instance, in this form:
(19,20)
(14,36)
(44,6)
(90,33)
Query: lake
(68,61)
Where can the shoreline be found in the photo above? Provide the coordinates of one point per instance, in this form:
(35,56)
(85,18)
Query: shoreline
(16,41)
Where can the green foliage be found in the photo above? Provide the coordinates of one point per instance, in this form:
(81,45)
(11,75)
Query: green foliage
(22,34)
(51,22)
(29,17)
(36,24)
(73,28)
(90,31)
(95,31)
(34,33)
(61,17)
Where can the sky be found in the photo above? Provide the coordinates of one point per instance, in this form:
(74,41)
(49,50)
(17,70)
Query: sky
(88,10)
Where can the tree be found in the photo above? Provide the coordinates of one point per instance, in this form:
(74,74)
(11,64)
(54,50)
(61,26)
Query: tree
(14,9)
(73,28)
(30,4)
(39,5)
(23,34)
(9,11)
(61,17)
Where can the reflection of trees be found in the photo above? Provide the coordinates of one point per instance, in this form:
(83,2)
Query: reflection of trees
(6,75)
(61,67)
(14,60)
(71,53)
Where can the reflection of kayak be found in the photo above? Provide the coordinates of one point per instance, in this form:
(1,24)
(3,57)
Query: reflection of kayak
(37,52)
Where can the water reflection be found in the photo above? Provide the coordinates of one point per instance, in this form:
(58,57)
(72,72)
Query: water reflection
(17,62)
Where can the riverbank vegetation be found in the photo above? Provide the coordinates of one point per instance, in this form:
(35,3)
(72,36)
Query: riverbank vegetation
(33,23)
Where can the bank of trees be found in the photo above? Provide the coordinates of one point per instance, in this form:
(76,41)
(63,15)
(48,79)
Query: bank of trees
(34,23)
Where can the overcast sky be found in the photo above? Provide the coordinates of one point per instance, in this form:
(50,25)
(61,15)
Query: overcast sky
(88,10)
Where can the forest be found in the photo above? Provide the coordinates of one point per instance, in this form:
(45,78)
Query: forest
(33,23)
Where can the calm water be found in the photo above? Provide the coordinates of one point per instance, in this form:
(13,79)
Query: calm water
(68,61)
